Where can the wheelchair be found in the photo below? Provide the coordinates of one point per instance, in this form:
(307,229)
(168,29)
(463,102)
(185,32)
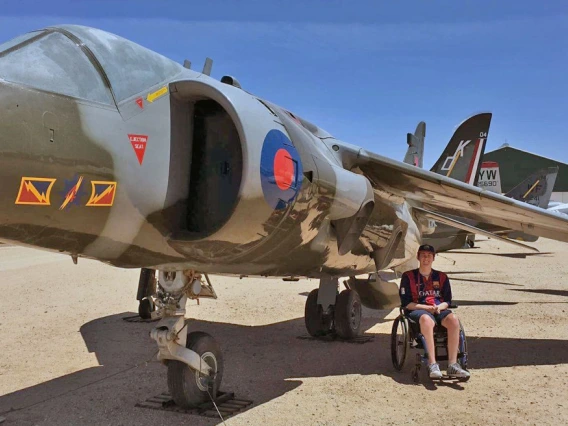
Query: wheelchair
(406,335)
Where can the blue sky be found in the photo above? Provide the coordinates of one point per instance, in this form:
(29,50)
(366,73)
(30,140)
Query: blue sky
(366,71)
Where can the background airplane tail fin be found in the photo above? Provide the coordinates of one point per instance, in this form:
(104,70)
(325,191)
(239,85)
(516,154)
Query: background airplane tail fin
(489,177)
(461,159)
(537,188)
(415,142)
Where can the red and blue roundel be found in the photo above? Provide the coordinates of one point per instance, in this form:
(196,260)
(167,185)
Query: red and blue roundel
(280,170)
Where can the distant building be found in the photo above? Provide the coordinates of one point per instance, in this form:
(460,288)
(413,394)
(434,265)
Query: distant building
(516,164)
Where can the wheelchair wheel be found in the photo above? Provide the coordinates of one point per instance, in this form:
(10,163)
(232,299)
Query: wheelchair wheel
(399,342)
(462,351)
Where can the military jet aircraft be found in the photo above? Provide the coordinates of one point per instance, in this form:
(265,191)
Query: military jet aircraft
(113,152)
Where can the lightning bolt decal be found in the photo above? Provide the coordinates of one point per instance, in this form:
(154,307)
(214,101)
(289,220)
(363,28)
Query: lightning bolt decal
(99,197)
(102,194)
(35,191)
(71,194)
(42,198)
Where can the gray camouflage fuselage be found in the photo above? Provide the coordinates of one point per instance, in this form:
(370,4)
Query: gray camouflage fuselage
(195,199)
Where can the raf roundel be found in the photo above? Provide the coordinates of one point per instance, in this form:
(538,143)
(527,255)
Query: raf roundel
(280,170)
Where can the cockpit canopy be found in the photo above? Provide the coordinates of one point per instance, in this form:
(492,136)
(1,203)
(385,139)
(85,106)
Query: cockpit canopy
(84,63)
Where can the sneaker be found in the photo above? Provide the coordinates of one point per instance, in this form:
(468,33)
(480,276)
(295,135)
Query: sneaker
(455,370)
(434,371)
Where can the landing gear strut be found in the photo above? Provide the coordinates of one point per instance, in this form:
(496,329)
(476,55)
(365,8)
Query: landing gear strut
(146,289)
(194,360)
(327,312)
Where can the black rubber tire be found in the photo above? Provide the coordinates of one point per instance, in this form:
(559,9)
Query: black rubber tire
(399,347)
(146,283)
(145,308)
(462,360)
(316,322)
(471,243)
(347,314)
(183,381)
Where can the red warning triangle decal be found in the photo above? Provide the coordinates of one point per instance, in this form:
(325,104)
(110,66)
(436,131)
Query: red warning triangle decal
(139,144)
(140,103)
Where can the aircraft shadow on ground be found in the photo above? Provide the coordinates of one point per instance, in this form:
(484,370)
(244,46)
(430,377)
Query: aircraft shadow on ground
(475,280)
(513,255)
(544,291)
(261,362)
(482,303)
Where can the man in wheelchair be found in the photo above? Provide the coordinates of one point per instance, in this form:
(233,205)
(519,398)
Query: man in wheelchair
(426,295)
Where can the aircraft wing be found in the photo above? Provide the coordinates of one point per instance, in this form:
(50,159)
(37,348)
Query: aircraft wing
(397,182)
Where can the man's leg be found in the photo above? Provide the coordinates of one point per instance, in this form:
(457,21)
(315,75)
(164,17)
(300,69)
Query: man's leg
(453,326)
(427,329)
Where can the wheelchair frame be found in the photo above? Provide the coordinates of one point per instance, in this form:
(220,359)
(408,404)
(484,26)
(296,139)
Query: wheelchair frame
(411,338)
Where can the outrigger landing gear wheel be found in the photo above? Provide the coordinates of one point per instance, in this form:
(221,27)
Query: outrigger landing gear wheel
(145,308)
(188,387)
(146,288)
(348,314)
(317,322)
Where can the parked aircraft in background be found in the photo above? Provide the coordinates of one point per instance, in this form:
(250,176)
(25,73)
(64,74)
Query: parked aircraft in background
(489,177)
(536,189)
(560,208)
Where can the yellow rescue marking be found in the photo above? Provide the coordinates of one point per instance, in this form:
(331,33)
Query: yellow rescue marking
(153,96)
(454,162)
(530,190)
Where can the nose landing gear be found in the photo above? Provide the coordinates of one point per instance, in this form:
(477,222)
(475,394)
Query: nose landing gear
(194,360)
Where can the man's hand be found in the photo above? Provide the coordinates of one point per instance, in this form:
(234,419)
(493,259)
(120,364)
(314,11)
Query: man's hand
(433,309)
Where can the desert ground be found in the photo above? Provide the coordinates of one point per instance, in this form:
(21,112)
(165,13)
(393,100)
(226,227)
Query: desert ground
(68,358)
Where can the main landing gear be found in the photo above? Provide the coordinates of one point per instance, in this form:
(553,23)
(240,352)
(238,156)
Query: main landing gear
(329,312)
(194,360)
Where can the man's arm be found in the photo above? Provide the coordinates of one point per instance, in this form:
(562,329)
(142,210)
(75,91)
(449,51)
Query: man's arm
(406,297)
(405,293)
(446,294)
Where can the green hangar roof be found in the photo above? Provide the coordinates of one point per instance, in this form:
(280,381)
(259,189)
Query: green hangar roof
(516,164)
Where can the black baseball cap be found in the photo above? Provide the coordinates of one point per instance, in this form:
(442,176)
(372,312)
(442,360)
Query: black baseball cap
(427,247)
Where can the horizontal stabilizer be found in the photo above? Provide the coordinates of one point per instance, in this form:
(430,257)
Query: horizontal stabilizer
(469,228)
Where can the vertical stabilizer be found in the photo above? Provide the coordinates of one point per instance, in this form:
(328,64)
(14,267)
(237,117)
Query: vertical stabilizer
(461,159)
(537,188)
(489,177)
(415,152)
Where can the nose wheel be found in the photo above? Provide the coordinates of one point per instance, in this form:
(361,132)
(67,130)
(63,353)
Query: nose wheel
(189,387)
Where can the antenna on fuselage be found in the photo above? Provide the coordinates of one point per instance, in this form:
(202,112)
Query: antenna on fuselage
(187,64)
(207,66)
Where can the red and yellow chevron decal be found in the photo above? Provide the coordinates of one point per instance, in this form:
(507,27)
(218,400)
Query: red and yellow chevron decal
(102,194)
(35,191)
